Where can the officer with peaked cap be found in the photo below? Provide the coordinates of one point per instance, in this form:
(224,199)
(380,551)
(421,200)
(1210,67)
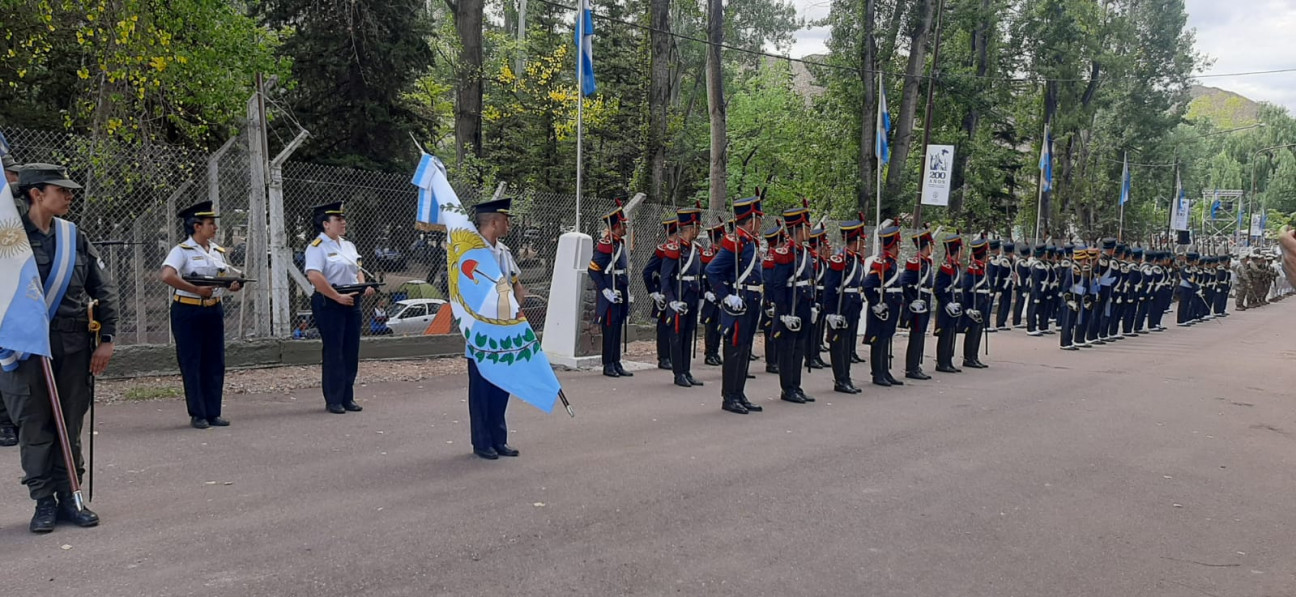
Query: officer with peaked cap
(331,262)
(735,279)
(197,316)
(885,296)
(1036,316)
(842,303)
(820,251)
(610,271)
(920,299)
(652,283)
(47,191)
(681,285)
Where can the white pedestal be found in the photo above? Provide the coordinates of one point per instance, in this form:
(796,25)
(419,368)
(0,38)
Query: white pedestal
(562,320)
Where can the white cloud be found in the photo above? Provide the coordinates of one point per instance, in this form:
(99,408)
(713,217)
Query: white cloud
(1239,35)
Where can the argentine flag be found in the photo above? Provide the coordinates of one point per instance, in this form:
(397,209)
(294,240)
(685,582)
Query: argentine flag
(24,317)
(1046,161)
(428,211)
(585,47)
(883,149)
(1125,183)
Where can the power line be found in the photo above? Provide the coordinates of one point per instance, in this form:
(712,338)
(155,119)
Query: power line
(875,71)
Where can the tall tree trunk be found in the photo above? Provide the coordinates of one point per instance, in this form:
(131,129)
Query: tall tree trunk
(659,96)
(924,10)
(972,120)
(887,51)
(468,91)
(716,104)
(868,109)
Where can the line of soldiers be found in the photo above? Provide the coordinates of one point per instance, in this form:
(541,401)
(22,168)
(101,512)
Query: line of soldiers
(1256,276)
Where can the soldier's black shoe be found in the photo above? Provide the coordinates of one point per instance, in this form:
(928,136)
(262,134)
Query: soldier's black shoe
(751,376)
(8,437)
(817,364)
(67,512)
(1070,347)
(506,450)
(751,408)
(772,369)
(487,453)
(792,397)
(336,409)
(664,364)
(804,396)
(610,371)
(974,364)
(893,380)
(846,387)
(217,422)
(352,406)
(682,381)
(916,375)
(752,357)
(882,381)
(856,358)
(734,406)
(622,372)
(713,361)
(45,517)
(689,377)
(948,369)
(199,423)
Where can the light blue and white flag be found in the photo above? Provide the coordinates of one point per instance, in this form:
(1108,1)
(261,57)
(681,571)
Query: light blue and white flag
(496,333)
(1125,183)
(24,315)
(428,212)
(585,45)
(1046,161)
(883,147)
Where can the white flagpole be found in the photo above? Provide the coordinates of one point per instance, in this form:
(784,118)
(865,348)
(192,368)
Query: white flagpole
(580,104)
(877,199)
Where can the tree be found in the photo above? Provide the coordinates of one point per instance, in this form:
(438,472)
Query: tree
(659,95)
(468,87)
(716,104)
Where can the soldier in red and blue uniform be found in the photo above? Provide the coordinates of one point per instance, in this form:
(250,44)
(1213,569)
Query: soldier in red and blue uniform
(789,285)
(948,290)
(681,283)
(843,303)
(652,282)
(885,296)
(610,271)
(821,250)
(735,279)
(918,279)
(775,236)
(710,314)
(976,303)
(994,273)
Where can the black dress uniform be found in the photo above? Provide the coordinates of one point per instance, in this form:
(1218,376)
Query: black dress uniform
(339,325)
(710,313)
(948,290)
(652,282)
(918,279)
(774,237)
(22,382)
(976,303)
(487,402)
(198,324)
(1021,283)
(1189,291)
(1004,290)
(610,271)
(735,276)
(1163,289)
(1106,278)
(1120,288)
(1039,284)
(1074,288)
(1223,286)
(681,284)
(886,297)
(789,285)
(842,305)
(1143,291)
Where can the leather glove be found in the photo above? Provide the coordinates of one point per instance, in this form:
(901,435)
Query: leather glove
(814,314)
(791,322)
(680,307)
(710,296)
(836,322)
(611,295)
(734,302)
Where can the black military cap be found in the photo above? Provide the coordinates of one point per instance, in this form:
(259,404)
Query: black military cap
(202,209)
(34,174)
(995,244)
(328,209)
(498,206)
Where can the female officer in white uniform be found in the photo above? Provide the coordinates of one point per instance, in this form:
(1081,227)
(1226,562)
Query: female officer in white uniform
(333,261)
(197,317)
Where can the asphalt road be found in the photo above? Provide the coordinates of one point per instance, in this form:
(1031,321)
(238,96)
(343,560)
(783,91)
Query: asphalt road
(1161,465)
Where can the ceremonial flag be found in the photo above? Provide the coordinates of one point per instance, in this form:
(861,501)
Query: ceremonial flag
(428,214)
(496,333)
(24,316)
(1215,205)
(1046,161)
(1179,206)
(585,45)
(882,148)
(1125,183)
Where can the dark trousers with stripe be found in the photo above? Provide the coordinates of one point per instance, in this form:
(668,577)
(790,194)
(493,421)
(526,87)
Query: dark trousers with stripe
(200,350)
(612,324)
(1003,304)
(917,338)
(339,328)
(486,406)
(682,329)
(840,344)
(736,346)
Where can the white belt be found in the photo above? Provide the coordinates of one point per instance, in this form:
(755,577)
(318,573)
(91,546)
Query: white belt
(751,287)
(851,291)
(926,291)
(982,291)
(819,287)
(895,290)
(799,283)
(617,272)
(688,278)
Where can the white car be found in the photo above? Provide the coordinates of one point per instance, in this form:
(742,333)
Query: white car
(412,316)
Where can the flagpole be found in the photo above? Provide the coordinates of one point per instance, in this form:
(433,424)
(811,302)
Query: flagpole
(877,198)
(1120,230)
(1039,200)
(580,105)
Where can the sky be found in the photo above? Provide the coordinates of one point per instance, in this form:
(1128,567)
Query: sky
(1238,35)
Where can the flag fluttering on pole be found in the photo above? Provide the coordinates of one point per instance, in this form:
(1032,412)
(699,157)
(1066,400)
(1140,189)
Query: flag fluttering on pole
(24,310)
(429,215)
(585,45)
(1179,206)
(1125,183)
(496,333)
(1215,205)
(1046,161)
(883,148)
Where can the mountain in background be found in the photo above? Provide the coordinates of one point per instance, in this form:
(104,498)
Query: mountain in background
(1225,108)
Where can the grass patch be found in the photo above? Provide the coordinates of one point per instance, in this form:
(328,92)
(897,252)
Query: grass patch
(153,393)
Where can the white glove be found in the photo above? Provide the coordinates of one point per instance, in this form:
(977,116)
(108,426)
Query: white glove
(814,314)
(611,295)
(657,296)
(954,309)
(710,296)
(791,322)
(880,309)
(734,302)
(1071,304)
(680,307)
(836,322)
(918,306)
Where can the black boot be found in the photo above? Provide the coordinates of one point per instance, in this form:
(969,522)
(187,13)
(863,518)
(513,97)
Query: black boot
(845,387)
(8,436)
(917,374)
(45,517)
(804,396)
(792,397)
(855,358)
(610,371)
(67,512)
(664,364)
(622,372)
(689,377)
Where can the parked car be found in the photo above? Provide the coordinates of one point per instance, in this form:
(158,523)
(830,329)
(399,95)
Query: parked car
(412,316)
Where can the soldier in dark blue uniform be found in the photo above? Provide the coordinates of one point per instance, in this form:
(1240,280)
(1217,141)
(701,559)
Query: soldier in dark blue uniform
(735,279)
(1120,275)
(1223,285)
(1074,288)
(1105,278)
(886,297)
(331,262)
(652,282)
(1143,291)
(1188,290)
(1004,291)
(789,285)
(1039,283)
(1133,288)
(1162,290)
(681,278)
(1021,283)
(710,315)
(976,303)
(918,279)
(948,290)
(774,236)
(843,303)
(610,271)
(820,251)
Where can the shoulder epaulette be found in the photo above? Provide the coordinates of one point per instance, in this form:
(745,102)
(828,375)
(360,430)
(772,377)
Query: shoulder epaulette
(606,246)
(837,263)
(670,250)
(317,242)
(185,246)
(880,266)
(948,269)
(729,243)
(913,264)
(782,255)
(218,248)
